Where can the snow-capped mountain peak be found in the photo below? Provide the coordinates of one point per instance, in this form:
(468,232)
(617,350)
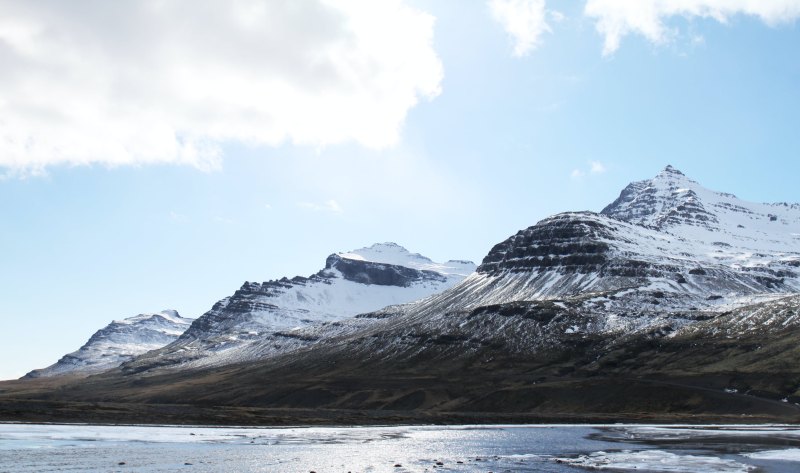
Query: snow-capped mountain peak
(394,254)
(257,316)
(667,235)
(118,342)
(673,203)
(387,252)
(169,315)
(667,200)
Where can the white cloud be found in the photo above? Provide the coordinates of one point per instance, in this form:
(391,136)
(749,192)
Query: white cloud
(524,20)
(596,167)
(618,18)
(328,206)
(140,82)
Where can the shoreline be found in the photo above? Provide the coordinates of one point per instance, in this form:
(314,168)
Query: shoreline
(25,411)
(432,426)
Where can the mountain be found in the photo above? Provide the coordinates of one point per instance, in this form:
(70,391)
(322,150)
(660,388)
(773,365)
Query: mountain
(665,243)
(118,342)
(264,318)
(673,303)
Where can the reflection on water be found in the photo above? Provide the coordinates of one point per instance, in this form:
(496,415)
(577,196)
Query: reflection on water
(37,448)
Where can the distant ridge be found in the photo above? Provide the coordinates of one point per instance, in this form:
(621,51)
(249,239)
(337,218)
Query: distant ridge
(118,342)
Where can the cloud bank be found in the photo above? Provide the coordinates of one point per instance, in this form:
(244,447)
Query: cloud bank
(616,19)
(149,81)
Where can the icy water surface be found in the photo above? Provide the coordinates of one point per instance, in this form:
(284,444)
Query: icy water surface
(41,448)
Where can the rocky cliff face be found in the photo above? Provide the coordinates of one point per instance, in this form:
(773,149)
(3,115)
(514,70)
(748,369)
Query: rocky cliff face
(381,274)
(569,243)
(118,342)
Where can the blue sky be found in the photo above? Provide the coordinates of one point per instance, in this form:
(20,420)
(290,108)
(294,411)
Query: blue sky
(453,130)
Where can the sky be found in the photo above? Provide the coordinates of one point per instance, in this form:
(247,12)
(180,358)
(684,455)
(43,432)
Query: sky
(156,155)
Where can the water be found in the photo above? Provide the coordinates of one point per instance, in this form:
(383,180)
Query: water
(42,448)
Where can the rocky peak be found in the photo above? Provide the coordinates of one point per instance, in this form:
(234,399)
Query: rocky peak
(570,241)
(673,203)
(577,252)
(670,170)
(667,200)
(393,254)
(388,253)
(118,342)
(351,283)
(383,274)
(169,316)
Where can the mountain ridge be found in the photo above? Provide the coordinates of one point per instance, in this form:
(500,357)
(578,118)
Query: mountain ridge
(381,264)
(117,342)
(674,300)
(270,313)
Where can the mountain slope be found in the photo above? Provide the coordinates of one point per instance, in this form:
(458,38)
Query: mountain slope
(118,342)
(536,357)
